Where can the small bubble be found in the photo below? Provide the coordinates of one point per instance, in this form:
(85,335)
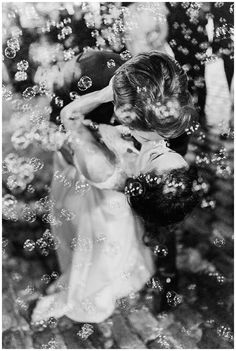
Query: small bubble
(173,299)
(46,278)
(22,65)
(111,63)
(29,245)
(125,55)
(86,331)
(28,214)
(55,275)
(14,44)
(36,163)
(52,322)
(219,242)
(21,139)
(10,53)
(21,76)
(59,102)
(73,95)
(28,93)
(160,250)
(84,83)
(225,332)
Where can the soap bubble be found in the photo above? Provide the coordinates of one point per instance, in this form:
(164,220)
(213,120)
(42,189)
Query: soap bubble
(36,163)
(9,200)
(21,139)
(225,332)
(84,83)
(219,241)
(47,242)
(111,63)
(52,322)
(9,203)
(81,187)
(160,251)
(10,53)
(67,215)
(29,245)
(28,214)
(73,95)
(155,283)
(54,275)
(46,278)
(15,183)
(28,93)
(66,31)
(45,204)
(86,331)
(7,95)
(21,304)
(14,44)
(125,55)
(16,277)
(59,102)
(23,65)
(173,299)
(21,76)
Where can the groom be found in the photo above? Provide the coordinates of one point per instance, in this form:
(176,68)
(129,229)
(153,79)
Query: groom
(100,67)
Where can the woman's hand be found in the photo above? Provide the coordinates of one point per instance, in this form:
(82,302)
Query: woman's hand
(71,111)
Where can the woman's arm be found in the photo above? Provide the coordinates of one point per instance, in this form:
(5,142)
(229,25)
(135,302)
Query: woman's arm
(84,104)
(95,162)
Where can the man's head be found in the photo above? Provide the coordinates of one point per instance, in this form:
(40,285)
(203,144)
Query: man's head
(151,94)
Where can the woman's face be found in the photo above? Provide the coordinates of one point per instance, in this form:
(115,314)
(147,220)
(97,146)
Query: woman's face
(159,159)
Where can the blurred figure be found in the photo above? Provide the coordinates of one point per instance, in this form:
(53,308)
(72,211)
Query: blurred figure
(146,28)
(188,40)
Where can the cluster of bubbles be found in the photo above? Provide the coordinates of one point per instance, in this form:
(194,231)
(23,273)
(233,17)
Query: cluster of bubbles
(21,304)
(80,243)
(13,46)
(21,169)
(62,179)
(44,244)
(21,74)
(155,283)
(46,278)
(225,332)
(9,207)
(218,276)
(85,332)
(52,344)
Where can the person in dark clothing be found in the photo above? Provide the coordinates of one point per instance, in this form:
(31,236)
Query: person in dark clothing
(188,40)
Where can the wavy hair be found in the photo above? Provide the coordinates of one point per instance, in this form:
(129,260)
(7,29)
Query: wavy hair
(155,86)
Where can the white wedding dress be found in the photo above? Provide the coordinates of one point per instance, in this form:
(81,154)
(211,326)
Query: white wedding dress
(101,254)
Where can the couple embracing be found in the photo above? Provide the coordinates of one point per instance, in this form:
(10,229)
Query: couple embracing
(136,180)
